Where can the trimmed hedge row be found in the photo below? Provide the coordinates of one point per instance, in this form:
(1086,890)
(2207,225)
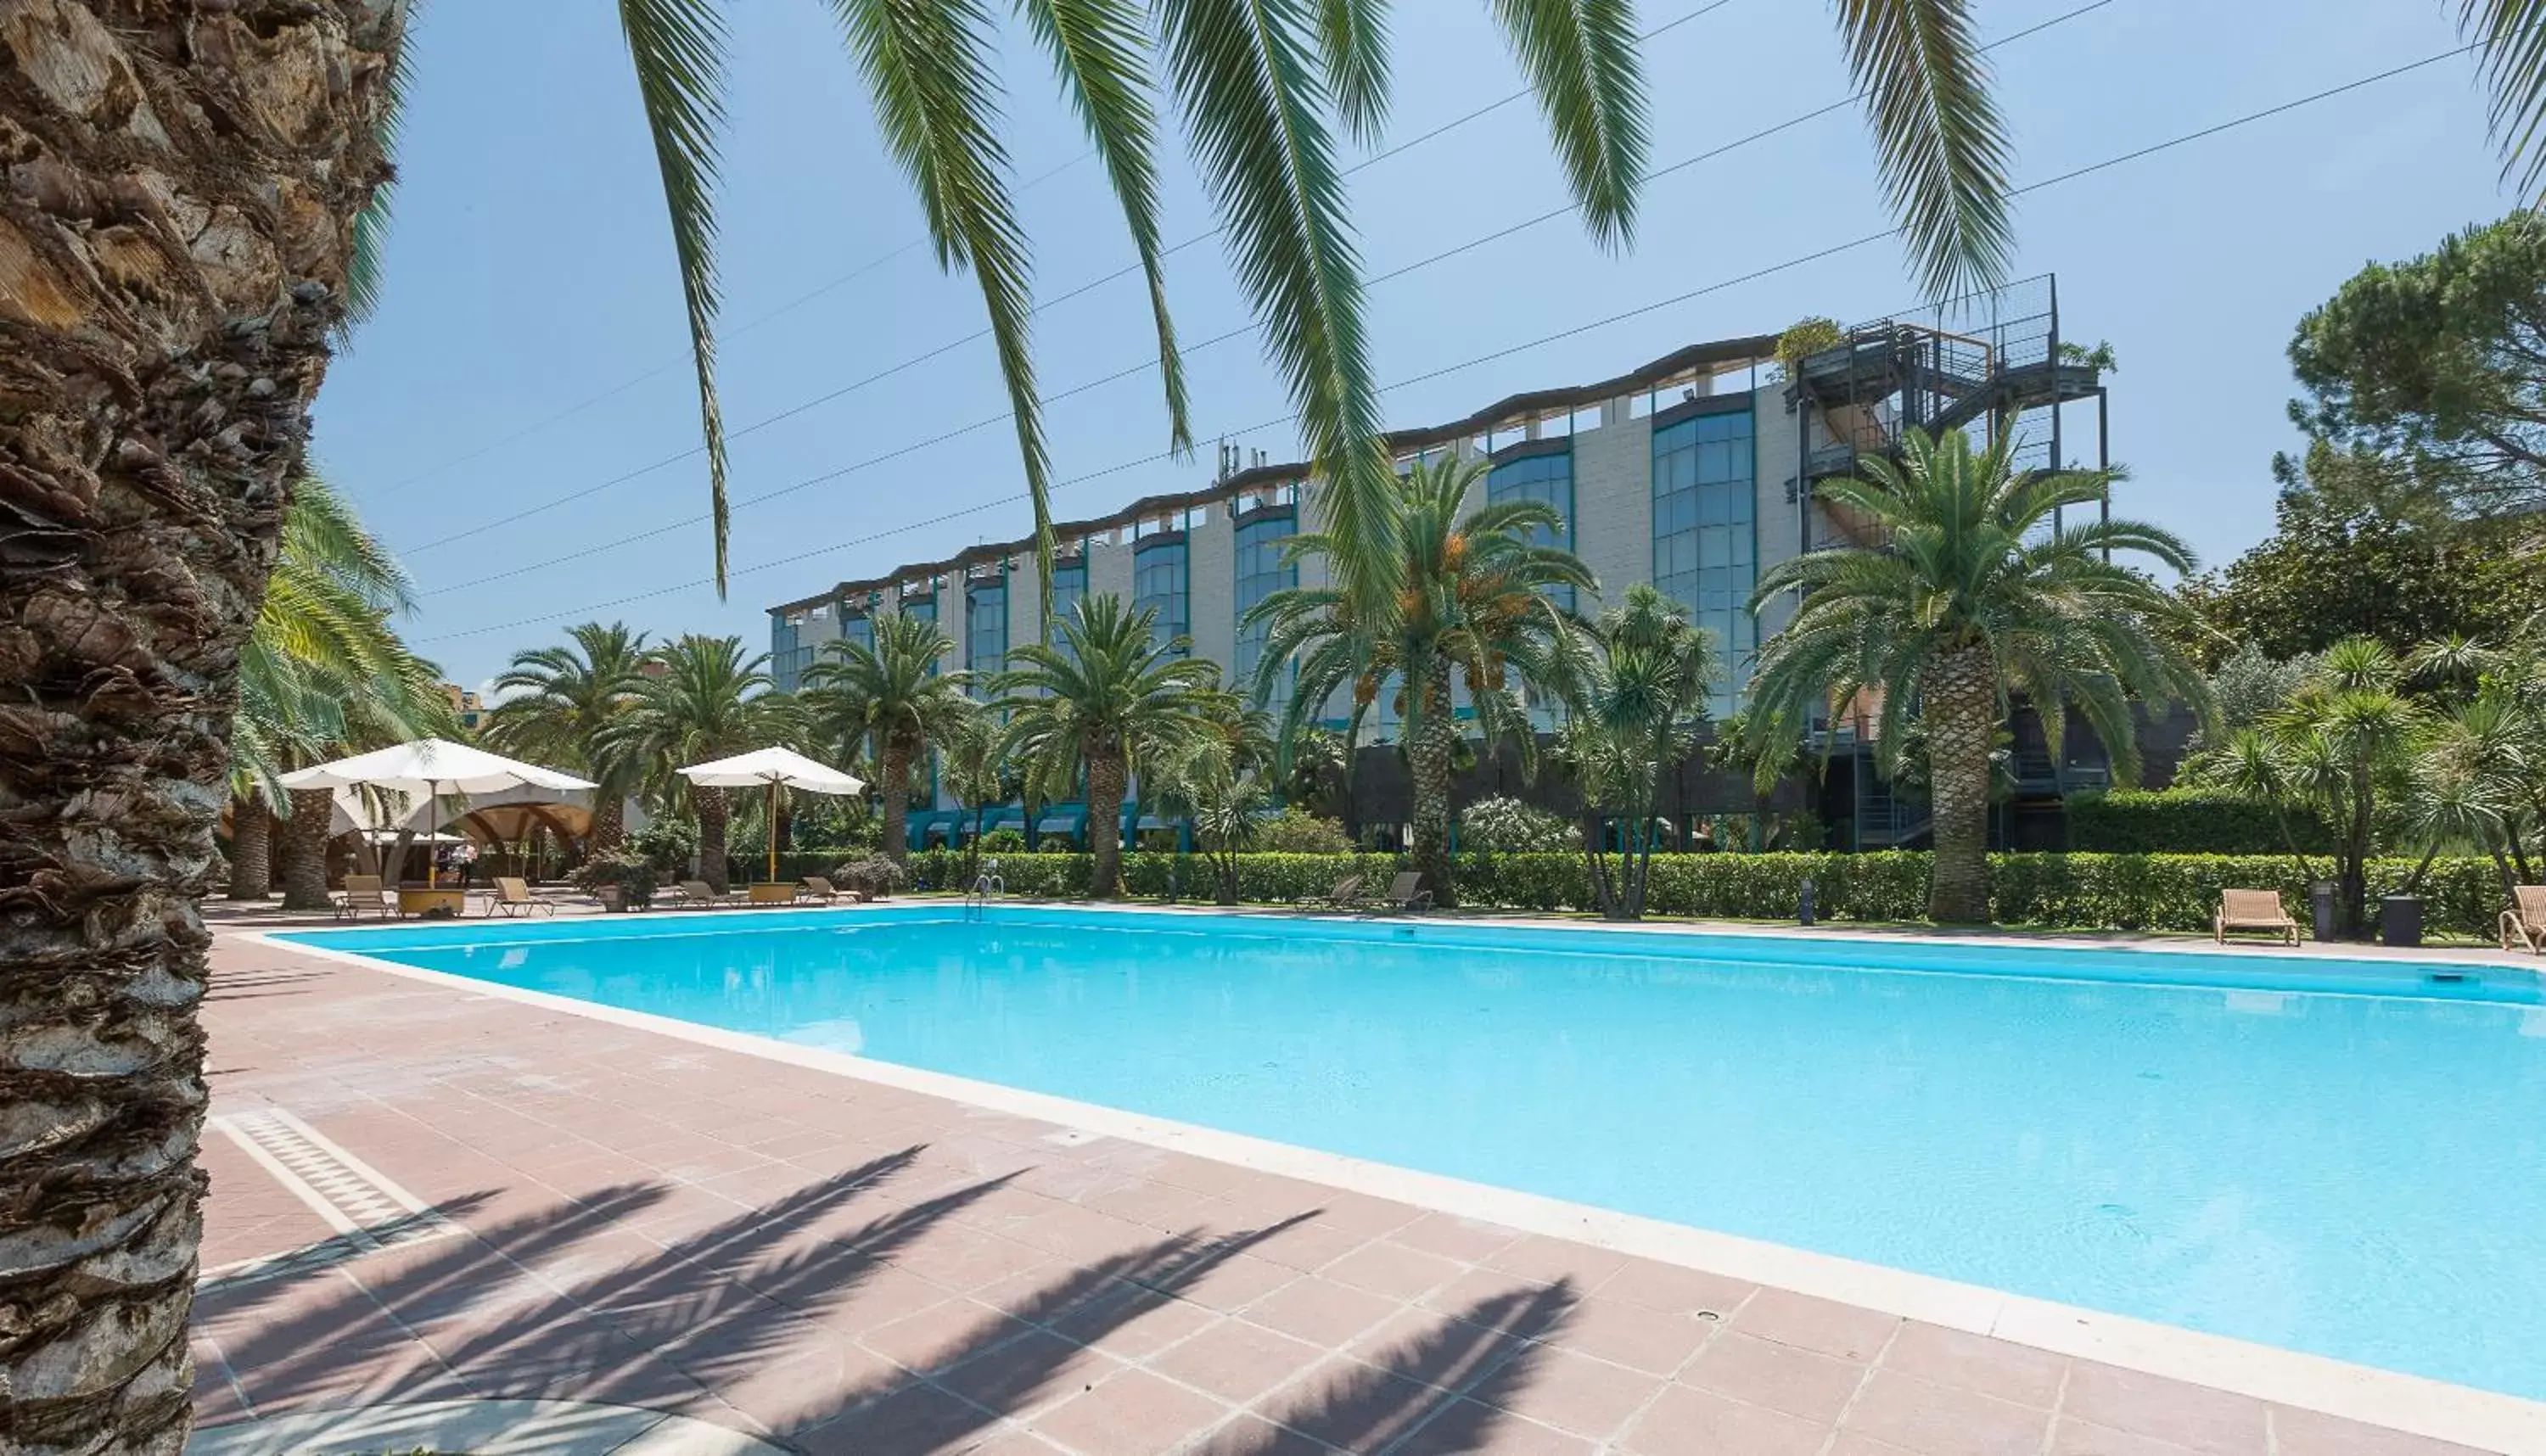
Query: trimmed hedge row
(2184,822)
(2117,891)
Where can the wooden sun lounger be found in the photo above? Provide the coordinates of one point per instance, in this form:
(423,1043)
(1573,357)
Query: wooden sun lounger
(2253,909)
(513,897)
(363,892)
(2523,925)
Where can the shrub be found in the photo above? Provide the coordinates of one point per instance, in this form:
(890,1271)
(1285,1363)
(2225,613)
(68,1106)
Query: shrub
(666,843)
(633,874)
(1505,825)
(874,876)
(1295,830)
(2185,821)
(1005,841)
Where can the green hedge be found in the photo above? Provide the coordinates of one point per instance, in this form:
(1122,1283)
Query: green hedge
(2118,891)
(2184,822)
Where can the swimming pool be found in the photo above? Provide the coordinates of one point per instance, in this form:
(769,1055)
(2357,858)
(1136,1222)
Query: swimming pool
(2348,1159)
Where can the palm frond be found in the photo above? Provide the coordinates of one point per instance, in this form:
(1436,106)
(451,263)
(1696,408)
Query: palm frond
(677,47)
(1099,47)
(1254,100)
(1580,59)
(366,269)
(1352,37)
(2511,37)
(1943,147)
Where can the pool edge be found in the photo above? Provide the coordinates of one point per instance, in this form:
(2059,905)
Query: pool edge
(2417,1404)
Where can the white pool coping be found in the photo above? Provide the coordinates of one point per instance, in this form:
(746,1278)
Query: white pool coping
(2419,1405)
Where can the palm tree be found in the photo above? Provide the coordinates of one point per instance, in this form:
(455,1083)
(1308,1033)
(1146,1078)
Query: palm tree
(1972,597)
(570,696)
(323,673)
(891,696)
(1470,602)
(706,698)
(1100,703)
(1638,699)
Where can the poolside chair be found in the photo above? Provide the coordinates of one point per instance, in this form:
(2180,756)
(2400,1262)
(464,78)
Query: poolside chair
(513,897)
(2523,925)
(2253,909)
(1344,897)
(828,893)
(361,893)
(697,893)
(1405,892)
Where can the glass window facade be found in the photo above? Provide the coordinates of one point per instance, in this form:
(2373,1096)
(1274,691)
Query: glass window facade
(1706,534)
(859,629)
(1261,571)
(1542,477)
(786,659)
(986,626)
(1158,582)
(1068,587)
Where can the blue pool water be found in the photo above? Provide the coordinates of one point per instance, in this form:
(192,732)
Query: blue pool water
(2342,1157)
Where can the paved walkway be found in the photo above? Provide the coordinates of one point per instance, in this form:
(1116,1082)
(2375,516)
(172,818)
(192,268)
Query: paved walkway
(425,1195)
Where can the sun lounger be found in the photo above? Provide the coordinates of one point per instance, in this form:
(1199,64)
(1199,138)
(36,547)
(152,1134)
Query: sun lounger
(1405,892)
(2523,925)
(513,897)
(363,892)
(1344,897)
(828,893)
(697,893)
(2253,909)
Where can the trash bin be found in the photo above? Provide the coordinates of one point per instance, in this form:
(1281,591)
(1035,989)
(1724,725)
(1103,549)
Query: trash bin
(2321,908)
(2400,920)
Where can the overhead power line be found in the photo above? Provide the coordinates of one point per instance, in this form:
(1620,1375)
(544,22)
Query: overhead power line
(1801,260)
(1145,364)
(916,359)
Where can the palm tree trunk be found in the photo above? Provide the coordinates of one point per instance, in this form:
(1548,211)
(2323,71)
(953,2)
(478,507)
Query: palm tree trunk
(251,848)
(305,849)
(1105,785)
(1431,745)
(709,804)
(173,258)
(609,822)
(1961,711)
(895,790)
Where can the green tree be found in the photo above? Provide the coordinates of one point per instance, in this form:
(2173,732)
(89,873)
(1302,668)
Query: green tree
(1102,702)
(891,696)
(1213,786)
(2439,363)
(2343,747)
(323,674)
(707,698)
(1971,599)
(1637,699)
(1471,603)
(2350,561)
(570,696)
(978,774)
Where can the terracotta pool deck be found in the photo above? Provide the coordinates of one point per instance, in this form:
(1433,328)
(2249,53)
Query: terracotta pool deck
(473,1198)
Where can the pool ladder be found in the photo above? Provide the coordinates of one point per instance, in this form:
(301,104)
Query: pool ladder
(986,887)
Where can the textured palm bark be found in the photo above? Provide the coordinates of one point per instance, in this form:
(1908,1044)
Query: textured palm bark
(181,182)
(709,804)
(1960,707)
(251,848)
(1430,749)
(305,849)
(609,823)
(895,794)
(1106,780)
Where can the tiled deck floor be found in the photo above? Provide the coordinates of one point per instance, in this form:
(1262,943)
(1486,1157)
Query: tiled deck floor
(848,1267)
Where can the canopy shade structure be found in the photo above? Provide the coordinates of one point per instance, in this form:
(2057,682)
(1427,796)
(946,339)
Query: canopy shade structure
(771,769)
(431,767)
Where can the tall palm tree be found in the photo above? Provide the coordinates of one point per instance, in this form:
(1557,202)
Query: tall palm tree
(570,696)
(706,698)
(1102,700)
(891,696)
(1470,604)
(1638,698)
(323,673)
(1971,598)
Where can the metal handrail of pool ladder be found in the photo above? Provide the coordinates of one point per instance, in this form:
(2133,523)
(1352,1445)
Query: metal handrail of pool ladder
(988,885)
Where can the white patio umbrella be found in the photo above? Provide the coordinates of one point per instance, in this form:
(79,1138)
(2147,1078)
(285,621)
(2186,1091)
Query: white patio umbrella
(772,768)
(431,767)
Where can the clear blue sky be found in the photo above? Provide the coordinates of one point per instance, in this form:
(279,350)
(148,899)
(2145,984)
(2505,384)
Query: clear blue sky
(530,272)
